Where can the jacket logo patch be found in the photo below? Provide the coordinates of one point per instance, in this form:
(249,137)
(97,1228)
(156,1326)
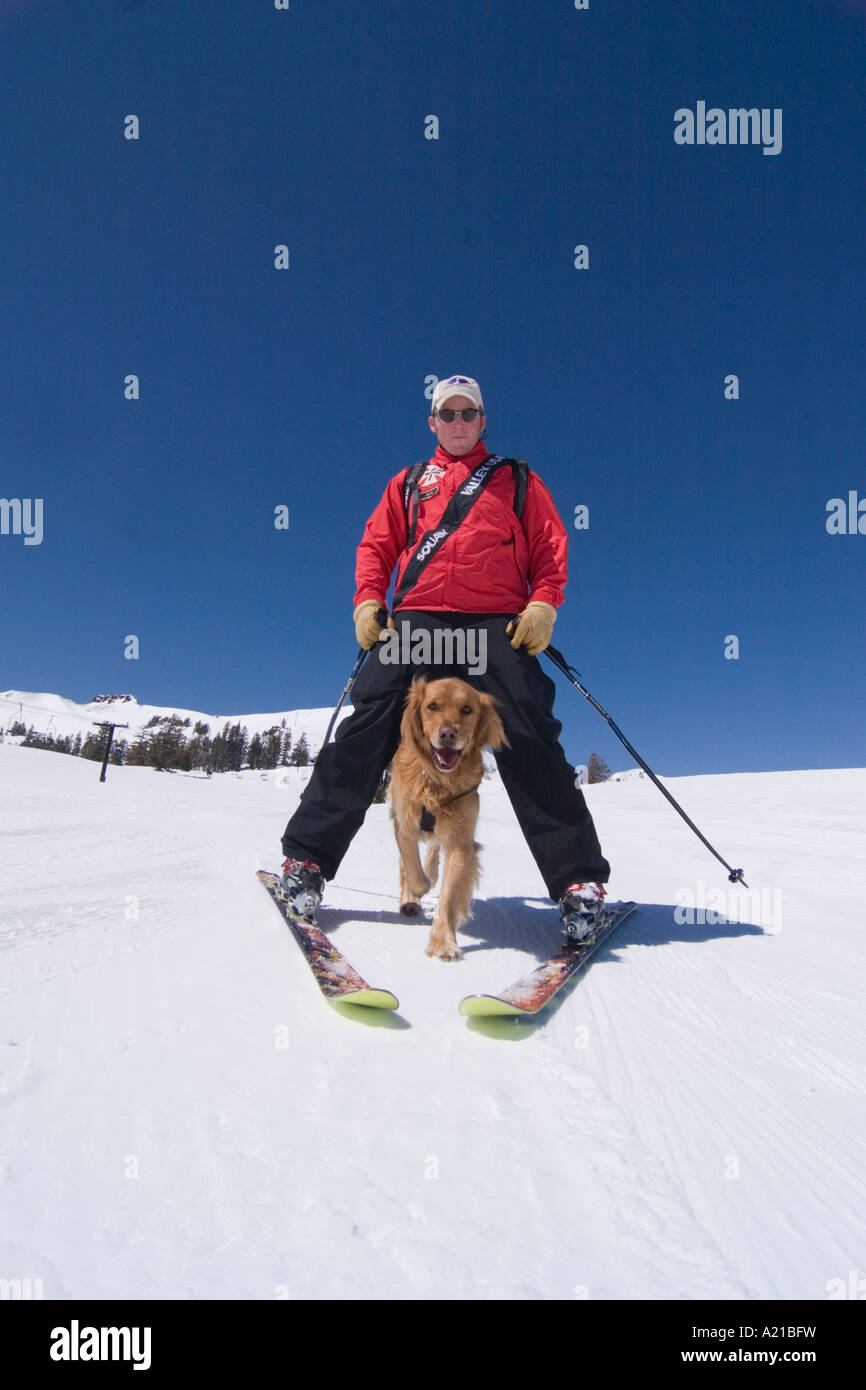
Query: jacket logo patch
(432,473)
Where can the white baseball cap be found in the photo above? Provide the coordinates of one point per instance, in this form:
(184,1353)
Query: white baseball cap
(456,386)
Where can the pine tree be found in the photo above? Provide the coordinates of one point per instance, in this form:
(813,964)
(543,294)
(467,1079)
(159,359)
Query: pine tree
(200,752)
(136,753)
(300,755)
(271,744)
(597,769)
(168,750)
(93,746)
(235,747)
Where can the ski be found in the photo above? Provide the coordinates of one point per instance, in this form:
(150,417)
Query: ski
(336,978)
(533,992)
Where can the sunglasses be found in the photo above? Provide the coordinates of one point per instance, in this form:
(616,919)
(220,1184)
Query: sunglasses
(468,414)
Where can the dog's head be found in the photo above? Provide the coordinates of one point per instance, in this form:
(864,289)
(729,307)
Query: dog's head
(449,719)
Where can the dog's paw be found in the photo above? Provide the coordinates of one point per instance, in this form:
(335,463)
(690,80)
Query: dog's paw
(443,950)
(411,909)
(413,886)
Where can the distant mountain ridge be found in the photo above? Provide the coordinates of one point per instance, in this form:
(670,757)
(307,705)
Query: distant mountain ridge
(161,735)
(46,712)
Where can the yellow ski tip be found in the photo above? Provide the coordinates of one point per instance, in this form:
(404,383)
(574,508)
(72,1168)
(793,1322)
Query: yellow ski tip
(488,1006)
(369,998)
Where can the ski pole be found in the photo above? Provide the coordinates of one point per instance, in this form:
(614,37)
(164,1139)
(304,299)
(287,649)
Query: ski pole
(734,875)
(363,653)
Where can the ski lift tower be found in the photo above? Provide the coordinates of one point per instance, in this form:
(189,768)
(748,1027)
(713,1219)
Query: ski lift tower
(104,724)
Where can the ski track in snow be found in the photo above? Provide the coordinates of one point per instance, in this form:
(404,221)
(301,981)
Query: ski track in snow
(185,1117)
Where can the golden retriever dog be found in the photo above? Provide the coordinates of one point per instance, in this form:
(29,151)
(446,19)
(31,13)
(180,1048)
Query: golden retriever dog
(434,797)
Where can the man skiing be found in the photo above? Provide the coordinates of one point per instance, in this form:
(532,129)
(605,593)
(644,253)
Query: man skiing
(489,563)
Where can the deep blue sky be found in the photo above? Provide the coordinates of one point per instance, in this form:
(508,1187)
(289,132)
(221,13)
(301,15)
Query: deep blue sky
(412,258)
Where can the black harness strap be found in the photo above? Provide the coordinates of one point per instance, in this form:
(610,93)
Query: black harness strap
(411,492)
(428,820)
(455,513)
(520,469)
(410,498)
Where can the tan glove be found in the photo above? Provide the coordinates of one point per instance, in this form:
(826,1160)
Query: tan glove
(366,627)
(534,628)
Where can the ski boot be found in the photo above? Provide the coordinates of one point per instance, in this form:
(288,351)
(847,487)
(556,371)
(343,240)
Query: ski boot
(302,886)
(581,910)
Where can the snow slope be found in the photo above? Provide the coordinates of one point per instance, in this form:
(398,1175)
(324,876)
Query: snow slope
(185,1117)
(54,714)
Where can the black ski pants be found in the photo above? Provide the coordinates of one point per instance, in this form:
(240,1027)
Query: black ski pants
(539,780)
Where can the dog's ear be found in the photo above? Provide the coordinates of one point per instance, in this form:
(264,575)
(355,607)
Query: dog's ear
(411,728)
(489,732)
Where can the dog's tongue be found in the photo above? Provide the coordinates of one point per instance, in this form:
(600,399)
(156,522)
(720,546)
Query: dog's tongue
(447,757)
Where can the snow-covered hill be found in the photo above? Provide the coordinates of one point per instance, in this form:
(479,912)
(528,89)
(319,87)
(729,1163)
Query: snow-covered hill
(185,1117)
(48,713)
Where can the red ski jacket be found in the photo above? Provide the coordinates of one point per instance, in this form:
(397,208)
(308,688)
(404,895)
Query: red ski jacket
(493,563)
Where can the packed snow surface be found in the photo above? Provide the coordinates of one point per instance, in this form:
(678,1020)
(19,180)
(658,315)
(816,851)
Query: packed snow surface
(185,1117)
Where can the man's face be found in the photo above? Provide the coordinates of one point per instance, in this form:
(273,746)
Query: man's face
(461,435)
